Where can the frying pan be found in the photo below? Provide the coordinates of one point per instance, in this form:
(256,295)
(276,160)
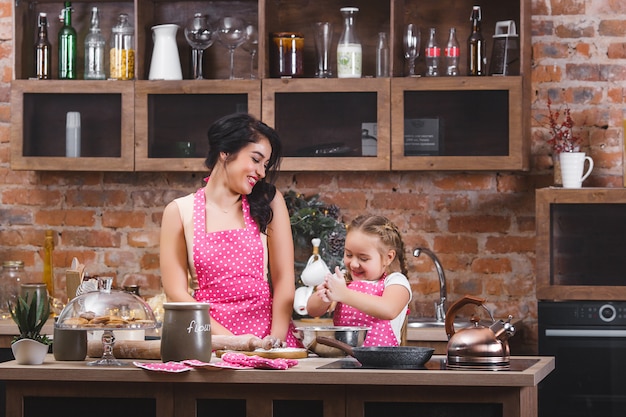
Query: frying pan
(383,356)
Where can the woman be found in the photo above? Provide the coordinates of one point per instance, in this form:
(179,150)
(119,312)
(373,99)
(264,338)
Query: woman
(227,234)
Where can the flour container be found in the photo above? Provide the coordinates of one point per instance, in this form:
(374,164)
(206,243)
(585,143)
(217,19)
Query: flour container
(505,52)
(186,332)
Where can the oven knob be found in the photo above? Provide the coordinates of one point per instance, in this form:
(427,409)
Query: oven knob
(607,313)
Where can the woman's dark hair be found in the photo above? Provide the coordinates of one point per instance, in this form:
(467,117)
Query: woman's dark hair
(232,133)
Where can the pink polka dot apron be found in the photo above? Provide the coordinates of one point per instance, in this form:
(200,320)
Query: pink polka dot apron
(231,277)
(381,333)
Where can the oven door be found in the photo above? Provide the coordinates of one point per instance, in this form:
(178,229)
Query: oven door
(590,375)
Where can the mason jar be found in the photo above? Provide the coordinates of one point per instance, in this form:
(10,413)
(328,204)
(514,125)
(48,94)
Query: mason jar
(13,276)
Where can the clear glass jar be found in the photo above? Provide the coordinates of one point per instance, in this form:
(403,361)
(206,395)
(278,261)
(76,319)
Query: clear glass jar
(349,52)
(287,55)
(13,276)
(122,54)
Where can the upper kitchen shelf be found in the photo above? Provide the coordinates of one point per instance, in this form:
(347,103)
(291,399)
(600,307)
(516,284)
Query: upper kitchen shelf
(481,123)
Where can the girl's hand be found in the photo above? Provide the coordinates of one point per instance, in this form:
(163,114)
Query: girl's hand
(336,286)
(320,291)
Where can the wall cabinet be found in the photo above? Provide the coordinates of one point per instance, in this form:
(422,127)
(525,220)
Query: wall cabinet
(581,234)
(366,124)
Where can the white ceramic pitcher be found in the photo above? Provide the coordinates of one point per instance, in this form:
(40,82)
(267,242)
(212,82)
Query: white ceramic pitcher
(165,64)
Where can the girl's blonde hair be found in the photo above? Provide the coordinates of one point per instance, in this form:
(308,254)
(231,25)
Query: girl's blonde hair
(388,235)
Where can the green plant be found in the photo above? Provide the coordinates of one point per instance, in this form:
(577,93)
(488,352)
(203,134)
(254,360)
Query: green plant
(30,317)
(310,217)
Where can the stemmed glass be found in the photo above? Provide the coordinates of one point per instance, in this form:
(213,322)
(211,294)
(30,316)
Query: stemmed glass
(411,46)
(199,35)
(251,45)
(231,33)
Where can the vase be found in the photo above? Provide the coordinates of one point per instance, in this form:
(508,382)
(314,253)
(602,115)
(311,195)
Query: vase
(29,352)
(165,63)
(556,166)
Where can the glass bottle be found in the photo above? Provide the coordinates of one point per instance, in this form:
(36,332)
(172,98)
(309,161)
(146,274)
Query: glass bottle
(94,49)
(43,50)
(48,265)
(432,53)
(476,55)
(122,52)
(349,52)
(12,277)
(382,56)
(452,53)
(67,45)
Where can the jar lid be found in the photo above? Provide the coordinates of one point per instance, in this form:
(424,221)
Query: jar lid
(287,35)
(13,264)
(123,25)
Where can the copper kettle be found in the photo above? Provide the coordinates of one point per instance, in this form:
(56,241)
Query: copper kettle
(478,346)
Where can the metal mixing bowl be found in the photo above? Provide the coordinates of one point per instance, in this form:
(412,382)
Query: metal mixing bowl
(351,335)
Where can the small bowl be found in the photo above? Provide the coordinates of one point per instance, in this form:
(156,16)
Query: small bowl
(351,335)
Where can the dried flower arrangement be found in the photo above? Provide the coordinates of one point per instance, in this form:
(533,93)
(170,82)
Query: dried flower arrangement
(563,138)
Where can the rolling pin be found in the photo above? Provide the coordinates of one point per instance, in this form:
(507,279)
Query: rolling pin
(127,349)
(151,349)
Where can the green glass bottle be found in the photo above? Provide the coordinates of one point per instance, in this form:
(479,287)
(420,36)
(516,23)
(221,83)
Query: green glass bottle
(67,45)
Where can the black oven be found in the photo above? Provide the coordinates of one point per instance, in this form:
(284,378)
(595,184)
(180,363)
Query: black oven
(588,340)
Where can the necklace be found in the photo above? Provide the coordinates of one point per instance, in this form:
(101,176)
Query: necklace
(225,211)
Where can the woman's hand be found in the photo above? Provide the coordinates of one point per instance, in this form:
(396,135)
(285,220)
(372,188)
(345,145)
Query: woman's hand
(270,342)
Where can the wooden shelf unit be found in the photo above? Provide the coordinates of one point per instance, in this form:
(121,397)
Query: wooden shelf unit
(495,139)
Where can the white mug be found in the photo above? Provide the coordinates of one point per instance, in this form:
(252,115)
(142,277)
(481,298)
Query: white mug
(572,167)
(301,298)
(314,272)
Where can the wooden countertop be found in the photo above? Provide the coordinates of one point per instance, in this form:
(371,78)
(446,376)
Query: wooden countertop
(306,372)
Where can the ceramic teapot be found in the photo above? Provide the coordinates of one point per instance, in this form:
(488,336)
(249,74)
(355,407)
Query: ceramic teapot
(478,345)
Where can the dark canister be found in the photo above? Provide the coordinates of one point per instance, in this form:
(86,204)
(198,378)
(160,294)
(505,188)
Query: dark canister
(286,54)
(69,344)
(186,332)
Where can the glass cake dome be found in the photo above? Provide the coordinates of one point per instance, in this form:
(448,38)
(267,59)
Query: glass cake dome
(107,310)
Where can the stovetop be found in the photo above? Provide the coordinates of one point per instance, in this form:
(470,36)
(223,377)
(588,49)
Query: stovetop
(516,365)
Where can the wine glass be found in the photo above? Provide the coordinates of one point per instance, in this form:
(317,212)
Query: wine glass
(199,35)
(411,46)
(231,33)
(251,45)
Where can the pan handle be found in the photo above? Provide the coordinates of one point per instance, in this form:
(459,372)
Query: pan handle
(329,341)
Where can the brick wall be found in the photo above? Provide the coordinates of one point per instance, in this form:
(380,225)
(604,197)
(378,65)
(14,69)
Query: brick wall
(480,224)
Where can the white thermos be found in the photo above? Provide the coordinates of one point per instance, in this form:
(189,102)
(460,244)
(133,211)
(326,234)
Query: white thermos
(72,134)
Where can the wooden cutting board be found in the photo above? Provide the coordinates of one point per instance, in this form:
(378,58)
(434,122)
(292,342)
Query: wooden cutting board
(285,353)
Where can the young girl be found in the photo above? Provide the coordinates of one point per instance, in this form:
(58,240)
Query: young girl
(375,291)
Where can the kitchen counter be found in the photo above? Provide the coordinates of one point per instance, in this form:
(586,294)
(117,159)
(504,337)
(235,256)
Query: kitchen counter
(8,330)
(337,392)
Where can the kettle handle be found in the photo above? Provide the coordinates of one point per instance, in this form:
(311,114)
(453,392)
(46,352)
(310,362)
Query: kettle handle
(454,308)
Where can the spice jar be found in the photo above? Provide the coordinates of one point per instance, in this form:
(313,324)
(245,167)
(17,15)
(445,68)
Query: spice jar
(286,54)
(122,52)
(12,277)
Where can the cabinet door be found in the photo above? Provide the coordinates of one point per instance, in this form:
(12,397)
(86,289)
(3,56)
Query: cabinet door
(173,117)
(457,123)
(38,122)
(333,125)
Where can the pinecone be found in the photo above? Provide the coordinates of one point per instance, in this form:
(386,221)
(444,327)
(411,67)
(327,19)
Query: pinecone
(332,211)
(336,244)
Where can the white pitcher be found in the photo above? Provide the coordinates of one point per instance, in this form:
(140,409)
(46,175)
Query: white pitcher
(165,64)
